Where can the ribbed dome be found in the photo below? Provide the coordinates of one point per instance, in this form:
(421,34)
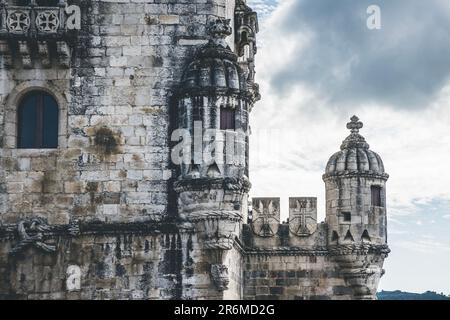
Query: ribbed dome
(355,156)
(215,66)
(210,72)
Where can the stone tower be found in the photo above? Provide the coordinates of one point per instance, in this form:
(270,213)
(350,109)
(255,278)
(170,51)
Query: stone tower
(213,106)
(355,183)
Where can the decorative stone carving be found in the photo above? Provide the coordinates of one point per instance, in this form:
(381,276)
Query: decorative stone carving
(74,228)
(219,29)
(44,53)
(360,249)
(50,30)
(355,157)
(63,52)
(47,21)
(31,233)
(219,275)
(266,216)
(233,184)
(246,28)
(219,233)
(18,21)
(5,55)
(302,216)
(25,54)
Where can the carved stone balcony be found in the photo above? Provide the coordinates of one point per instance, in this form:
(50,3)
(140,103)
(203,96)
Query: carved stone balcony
(33,34)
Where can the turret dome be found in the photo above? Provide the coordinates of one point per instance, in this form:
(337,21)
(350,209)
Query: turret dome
(215,66)
(355,157)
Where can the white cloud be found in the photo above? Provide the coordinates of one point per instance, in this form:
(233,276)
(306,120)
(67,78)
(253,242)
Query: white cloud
(424,246)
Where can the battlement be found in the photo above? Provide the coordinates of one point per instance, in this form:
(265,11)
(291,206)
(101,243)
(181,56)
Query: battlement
(265,229)
(266,216)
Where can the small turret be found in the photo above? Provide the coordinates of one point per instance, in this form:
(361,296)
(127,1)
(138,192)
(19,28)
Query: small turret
(355,183)
(212,186)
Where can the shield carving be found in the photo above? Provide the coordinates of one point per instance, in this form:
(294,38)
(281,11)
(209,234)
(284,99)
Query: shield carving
(302,216)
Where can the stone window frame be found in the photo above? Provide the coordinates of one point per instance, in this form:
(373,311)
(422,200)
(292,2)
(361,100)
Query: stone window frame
(343,215)
(11,114)
(381,198)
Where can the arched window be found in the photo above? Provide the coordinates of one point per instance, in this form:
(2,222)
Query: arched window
(37,121)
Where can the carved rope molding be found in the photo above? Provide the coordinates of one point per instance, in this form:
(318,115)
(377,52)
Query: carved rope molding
(35,232)
(232,184)
(341,250)
(75,228)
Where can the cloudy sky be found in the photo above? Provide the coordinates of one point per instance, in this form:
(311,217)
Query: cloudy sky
(317,65)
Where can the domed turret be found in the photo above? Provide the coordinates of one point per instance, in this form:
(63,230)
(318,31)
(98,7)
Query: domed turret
(355,183)
(214,97)
(355,156)
(215,66)
(213,113)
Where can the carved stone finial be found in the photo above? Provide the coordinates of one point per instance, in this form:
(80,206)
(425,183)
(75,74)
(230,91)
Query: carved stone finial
(354,125)
(354,140)
(219,29)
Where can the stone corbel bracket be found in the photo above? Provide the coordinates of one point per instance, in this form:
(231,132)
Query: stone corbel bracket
(218,227)
(6,60)
(35,36)
(220,276)
(29,54)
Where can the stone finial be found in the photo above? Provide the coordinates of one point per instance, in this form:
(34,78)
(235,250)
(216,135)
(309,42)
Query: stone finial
(219,29)
(354,140)
(354,125)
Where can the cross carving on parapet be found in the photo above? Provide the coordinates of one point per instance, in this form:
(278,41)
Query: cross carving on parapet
(354,125)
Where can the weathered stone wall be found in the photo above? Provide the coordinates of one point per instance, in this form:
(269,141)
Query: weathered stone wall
(112,163)
(288,267)
(292,276)
(112,267)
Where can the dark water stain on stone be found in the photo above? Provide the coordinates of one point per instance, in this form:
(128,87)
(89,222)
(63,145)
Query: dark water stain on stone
(106,142)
